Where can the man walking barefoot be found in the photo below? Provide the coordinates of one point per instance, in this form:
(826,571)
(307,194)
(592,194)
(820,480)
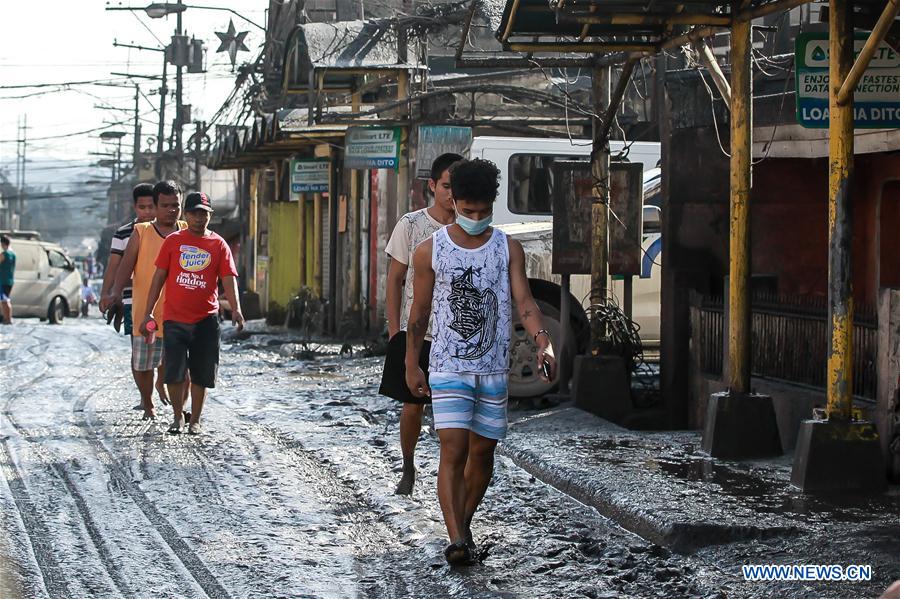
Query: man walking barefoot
(412,229)
(467,276)
(137,268)
(189,267)
(7,279)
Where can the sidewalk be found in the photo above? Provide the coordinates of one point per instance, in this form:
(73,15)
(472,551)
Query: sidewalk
(660,486)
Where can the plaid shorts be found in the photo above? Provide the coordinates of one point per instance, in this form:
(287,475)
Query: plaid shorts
(146,357)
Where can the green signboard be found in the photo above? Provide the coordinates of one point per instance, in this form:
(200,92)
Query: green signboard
(876,103)
(310,176)
(372,148)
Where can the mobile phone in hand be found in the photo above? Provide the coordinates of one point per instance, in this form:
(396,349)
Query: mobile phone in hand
(545,369)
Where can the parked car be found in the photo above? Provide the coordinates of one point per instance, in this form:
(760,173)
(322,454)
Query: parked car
(47,285)
(523,211)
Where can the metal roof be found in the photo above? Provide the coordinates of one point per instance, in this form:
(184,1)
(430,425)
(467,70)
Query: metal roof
(337,52)
(567,27)
(370,44)
(271,137)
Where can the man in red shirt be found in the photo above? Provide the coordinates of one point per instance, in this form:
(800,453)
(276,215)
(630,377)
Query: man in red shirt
(190,264)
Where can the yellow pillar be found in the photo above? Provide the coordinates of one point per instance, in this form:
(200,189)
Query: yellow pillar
(309,245)
(301,243)
(739,324)
(600,204)
(840,169)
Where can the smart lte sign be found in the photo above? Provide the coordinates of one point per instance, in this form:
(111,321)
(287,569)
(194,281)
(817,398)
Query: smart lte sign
(876,103)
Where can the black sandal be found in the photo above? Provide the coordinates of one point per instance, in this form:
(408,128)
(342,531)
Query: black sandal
(458,554)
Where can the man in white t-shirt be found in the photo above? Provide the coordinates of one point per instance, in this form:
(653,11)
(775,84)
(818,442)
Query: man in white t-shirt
(411,230)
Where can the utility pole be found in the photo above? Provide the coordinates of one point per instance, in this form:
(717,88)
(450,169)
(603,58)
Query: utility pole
(117,169)
(22,142)
(178,92)
(403,94)
(198,138)
(136,158)
(161,132)
(600,87)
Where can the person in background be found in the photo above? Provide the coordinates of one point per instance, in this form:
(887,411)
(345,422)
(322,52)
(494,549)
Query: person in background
(144,212)
(7,279)
(411,230)
(87,297)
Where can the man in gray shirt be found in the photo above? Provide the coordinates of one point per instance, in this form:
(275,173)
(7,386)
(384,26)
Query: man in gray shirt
(411,230)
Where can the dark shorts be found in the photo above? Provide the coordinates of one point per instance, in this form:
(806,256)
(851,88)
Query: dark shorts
(193,347)
(393,379)
(128,323)
(5,291)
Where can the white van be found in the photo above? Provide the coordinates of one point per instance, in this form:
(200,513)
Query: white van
(523,211)
(46,283)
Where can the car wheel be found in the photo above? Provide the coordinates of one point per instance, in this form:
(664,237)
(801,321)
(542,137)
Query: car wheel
(524,376)
(57,311)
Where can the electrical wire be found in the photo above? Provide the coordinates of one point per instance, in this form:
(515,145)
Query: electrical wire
(622,338)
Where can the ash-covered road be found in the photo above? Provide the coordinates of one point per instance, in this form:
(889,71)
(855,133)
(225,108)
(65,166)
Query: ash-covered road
(288,493)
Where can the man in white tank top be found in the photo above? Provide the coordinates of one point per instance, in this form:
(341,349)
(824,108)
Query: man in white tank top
(467,277)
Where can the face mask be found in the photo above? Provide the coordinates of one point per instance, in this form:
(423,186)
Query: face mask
(471,226)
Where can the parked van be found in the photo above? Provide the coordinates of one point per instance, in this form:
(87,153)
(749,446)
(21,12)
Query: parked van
(523,211)
(46,282)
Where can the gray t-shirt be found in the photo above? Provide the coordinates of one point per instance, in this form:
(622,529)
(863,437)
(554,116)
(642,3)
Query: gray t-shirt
(412,229)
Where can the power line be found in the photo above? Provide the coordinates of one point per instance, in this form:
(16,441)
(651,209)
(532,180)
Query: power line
(61,84)
(76,133)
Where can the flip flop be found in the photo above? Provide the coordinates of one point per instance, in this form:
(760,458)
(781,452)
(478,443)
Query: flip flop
(458,554)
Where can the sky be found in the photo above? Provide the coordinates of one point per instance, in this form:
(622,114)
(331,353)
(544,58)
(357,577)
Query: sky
(54,41)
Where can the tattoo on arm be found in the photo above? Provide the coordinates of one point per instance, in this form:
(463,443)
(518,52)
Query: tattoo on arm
(527,314)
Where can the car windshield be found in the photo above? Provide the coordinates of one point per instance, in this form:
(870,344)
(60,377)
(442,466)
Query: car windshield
(57,259)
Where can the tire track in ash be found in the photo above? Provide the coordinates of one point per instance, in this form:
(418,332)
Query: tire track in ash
(355,518)
(351,505)
(54,578)
(179,548)
(52,574)
(56,468)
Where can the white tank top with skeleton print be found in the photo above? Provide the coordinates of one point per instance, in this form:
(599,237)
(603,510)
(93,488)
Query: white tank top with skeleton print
(471,306)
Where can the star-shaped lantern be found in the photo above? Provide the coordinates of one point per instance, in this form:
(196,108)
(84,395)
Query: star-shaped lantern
(232,42)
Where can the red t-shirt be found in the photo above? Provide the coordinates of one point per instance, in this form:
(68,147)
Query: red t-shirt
(195,265)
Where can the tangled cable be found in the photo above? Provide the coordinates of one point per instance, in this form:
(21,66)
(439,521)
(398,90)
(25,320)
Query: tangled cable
(621,337)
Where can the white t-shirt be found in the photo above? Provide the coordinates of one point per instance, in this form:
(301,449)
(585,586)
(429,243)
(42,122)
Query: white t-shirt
(412,229)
